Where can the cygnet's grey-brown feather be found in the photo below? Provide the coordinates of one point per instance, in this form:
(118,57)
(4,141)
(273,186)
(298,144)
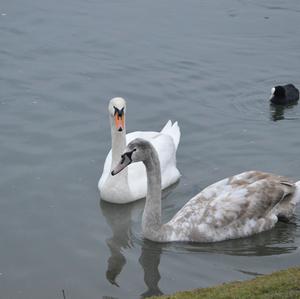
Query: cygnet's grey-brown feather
(234,207)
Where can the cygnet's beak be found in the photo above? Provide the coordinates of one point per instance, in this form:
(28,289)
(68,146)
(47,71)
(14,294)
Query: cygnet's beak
(125,161)
(119,119)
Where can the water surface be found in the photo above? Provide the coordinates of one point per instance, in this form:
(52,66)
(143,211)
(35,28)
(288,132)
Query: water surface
(207,64)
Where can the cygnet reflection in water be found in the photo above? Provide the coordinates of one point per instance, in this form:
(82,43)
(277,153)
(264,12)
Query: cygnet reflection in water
(277,241)
(120,219)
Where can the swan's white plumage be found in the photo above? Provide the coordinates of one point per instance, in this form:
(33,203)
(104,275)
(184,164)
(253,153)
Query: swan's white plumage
(165,142)
(137,179)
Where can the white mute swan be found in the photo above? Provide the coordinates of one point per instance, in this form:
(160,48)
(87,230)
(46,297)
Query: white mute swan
(131,184)
(238,206)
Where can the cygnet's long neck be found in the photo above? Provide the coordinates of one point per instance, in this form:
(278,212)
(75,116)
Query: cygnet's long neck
(151,222)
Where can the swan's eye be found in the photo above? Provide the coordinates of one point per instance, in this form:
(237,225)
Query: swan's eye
(116,110)
(119,112)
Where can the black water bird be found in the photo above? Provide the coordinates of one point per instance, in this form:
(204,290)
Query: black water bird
(284,95)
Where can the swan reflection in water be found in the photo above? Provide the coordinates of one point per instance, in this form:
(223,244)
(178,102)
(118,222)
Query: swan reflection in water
(121,219)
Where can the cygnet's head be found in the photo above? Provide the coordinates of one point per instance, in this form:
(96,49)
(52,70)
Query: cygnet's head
(117,110)
(137,150)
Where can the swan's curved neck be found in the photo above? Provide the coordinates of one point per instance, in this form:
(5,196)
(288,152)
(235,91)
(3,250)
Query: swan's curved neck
(151,222)
(118,145)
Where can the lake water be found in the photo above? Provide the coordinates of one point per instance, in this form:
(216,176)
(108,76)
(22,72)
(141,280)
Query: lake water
(208,64)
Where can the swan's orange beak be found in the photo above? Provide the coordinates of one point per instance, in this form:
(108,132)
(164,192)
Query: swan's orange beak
(119,119)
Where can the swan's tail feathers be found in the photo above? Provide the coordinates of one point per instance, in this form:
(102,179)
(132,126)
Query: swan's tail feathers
(167,126)
(173,130)
(296,197)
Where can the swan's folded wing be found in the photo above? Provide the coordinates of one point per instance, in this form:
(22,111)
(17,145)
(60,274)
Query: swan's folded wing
(165,147)
(250,195)
(148,135)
